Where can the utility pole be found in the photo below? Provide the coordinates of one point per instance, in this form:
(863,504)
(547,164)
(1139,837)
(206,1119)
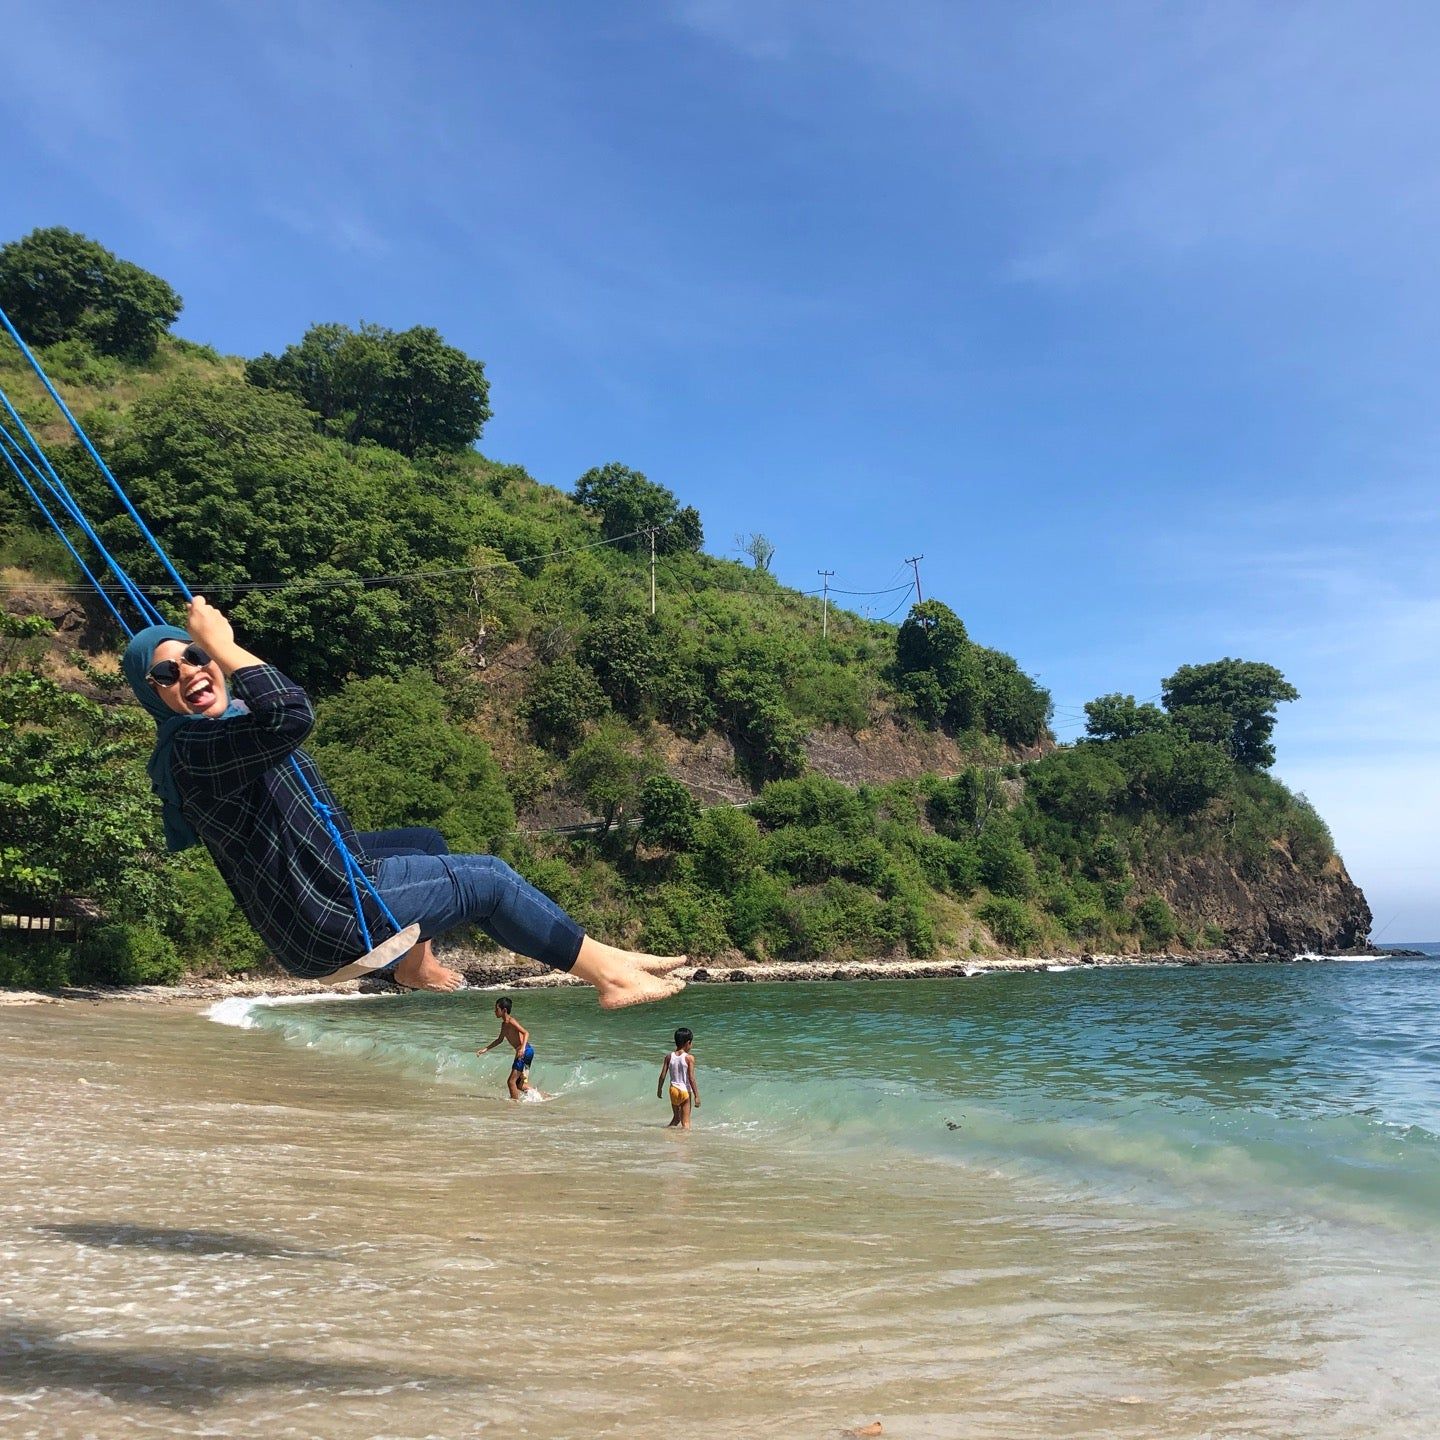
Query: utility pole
(825,603)
(914,563)
(652,569)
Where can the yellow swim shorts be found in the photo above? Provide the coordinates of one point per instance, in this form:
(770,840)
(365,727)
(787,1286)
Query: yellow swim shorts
(678,1094)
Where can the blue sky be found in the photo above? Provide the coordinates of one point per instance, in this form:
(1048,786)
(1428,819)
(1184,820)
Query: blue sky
(1122,314)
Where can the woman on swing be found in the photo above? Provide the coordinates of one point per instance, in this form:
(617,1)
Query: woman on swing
(221,768)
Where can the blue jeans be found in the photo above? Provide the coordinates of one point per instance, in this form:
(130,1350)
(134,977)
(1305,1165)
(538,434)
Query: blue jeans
(416,840)
(437,892)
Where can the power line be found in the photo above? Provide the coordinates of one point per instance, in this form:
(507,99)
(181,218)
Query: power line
(341,580)
(899,607)
(892,590)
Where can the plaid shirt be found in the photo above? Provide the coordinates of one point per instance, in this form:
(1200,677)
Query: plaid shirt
(239,791)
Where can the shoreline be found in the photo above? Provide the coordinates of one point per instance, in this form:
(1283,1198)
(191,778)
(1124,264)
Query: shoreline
(528,975)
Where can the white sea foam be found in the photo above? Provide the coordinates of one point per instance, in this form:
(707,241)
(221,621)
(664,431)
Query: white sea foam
(239,1010)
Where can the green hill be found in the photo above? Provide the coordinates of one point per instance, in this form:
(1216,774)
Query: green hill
(485,658)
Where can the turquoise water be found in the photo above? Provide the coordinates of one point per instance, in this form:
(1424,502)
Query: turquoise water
(1160,1204)
(1310,1090)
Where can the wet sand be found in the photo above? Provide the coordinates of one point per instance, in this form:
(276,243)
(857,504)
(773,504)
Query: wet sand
(208,1232)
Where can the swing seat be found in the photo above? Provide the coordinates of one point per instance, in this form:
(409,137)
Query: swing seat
(380,956)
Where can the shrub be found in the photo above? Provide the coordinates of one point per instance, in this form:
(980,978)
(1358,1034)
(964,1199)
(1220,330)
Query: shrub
(1085,921)
(755,910)
(394,757)
(1106,859)
(809,854)
(564,698)
(906,920)
(830,695)
(770,739)
(1005,866)
(606,773)
(553,877)
(952,865)
(1011,923)
(813,800)
(838,915)
(625,655)
(668,814)
(727,847)
(32,964)
(1311,843)
(1157,922)
(962,807)
(126,955)
(684,918)
(205,925)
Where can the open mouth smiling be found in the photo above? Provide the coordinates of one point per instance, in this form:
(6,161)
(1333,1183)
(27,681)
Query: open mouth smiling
(200,692)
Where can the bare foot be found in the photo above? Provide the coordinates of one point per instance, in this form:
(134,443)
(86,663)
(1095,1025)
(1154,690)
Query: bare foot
(596,952)
(661,964)
(420,970)
(637,987)
(621,976)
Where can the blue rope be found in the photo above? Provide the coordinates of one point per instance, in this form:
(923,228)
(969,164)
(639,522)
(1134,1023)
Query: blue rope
(142,602)
(56,526)
(58,491)
(57,487)
(352,869)
(94,454)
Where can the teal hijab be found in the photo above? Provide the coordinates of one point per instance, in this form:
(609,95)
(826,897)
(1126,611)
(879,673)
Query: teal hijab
(139,656)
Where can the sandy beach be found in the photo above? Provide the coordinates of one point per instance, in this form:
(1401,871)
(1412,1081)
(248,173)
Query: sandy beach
(1052,1201)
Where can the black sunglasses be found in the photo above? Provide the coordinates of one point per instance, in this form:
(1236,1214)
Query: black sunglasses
(167,672)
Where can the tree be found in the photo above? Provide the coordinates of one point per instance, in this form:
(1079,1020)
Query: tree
(751,704)
(394,758)
(407,390)
(1012,705)
(77,818)
(605,773)
(563,699)
(1198,773)
(629,504)
(626,656)
(727,848)
(961,806)
(58,285)
(1118,717)
(1230,703)
(936,667)
(668,814)
(758,548)
(1078,786)
(243,491)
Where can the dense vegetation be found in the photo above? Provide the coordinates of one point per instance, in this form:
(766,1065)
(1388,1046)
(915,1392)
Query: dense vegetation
(481,648)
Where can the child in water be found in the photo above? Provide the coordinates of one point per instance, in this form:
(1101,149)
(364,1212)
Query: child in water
(512,1032)
(679,1068)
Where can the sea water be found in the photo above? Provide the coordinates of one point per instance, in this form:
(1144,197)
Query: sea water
(1162,1202)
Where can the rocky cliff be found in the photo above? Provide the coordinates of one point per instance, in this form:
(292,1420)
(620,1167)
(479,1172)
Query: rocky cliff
(1275,907)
